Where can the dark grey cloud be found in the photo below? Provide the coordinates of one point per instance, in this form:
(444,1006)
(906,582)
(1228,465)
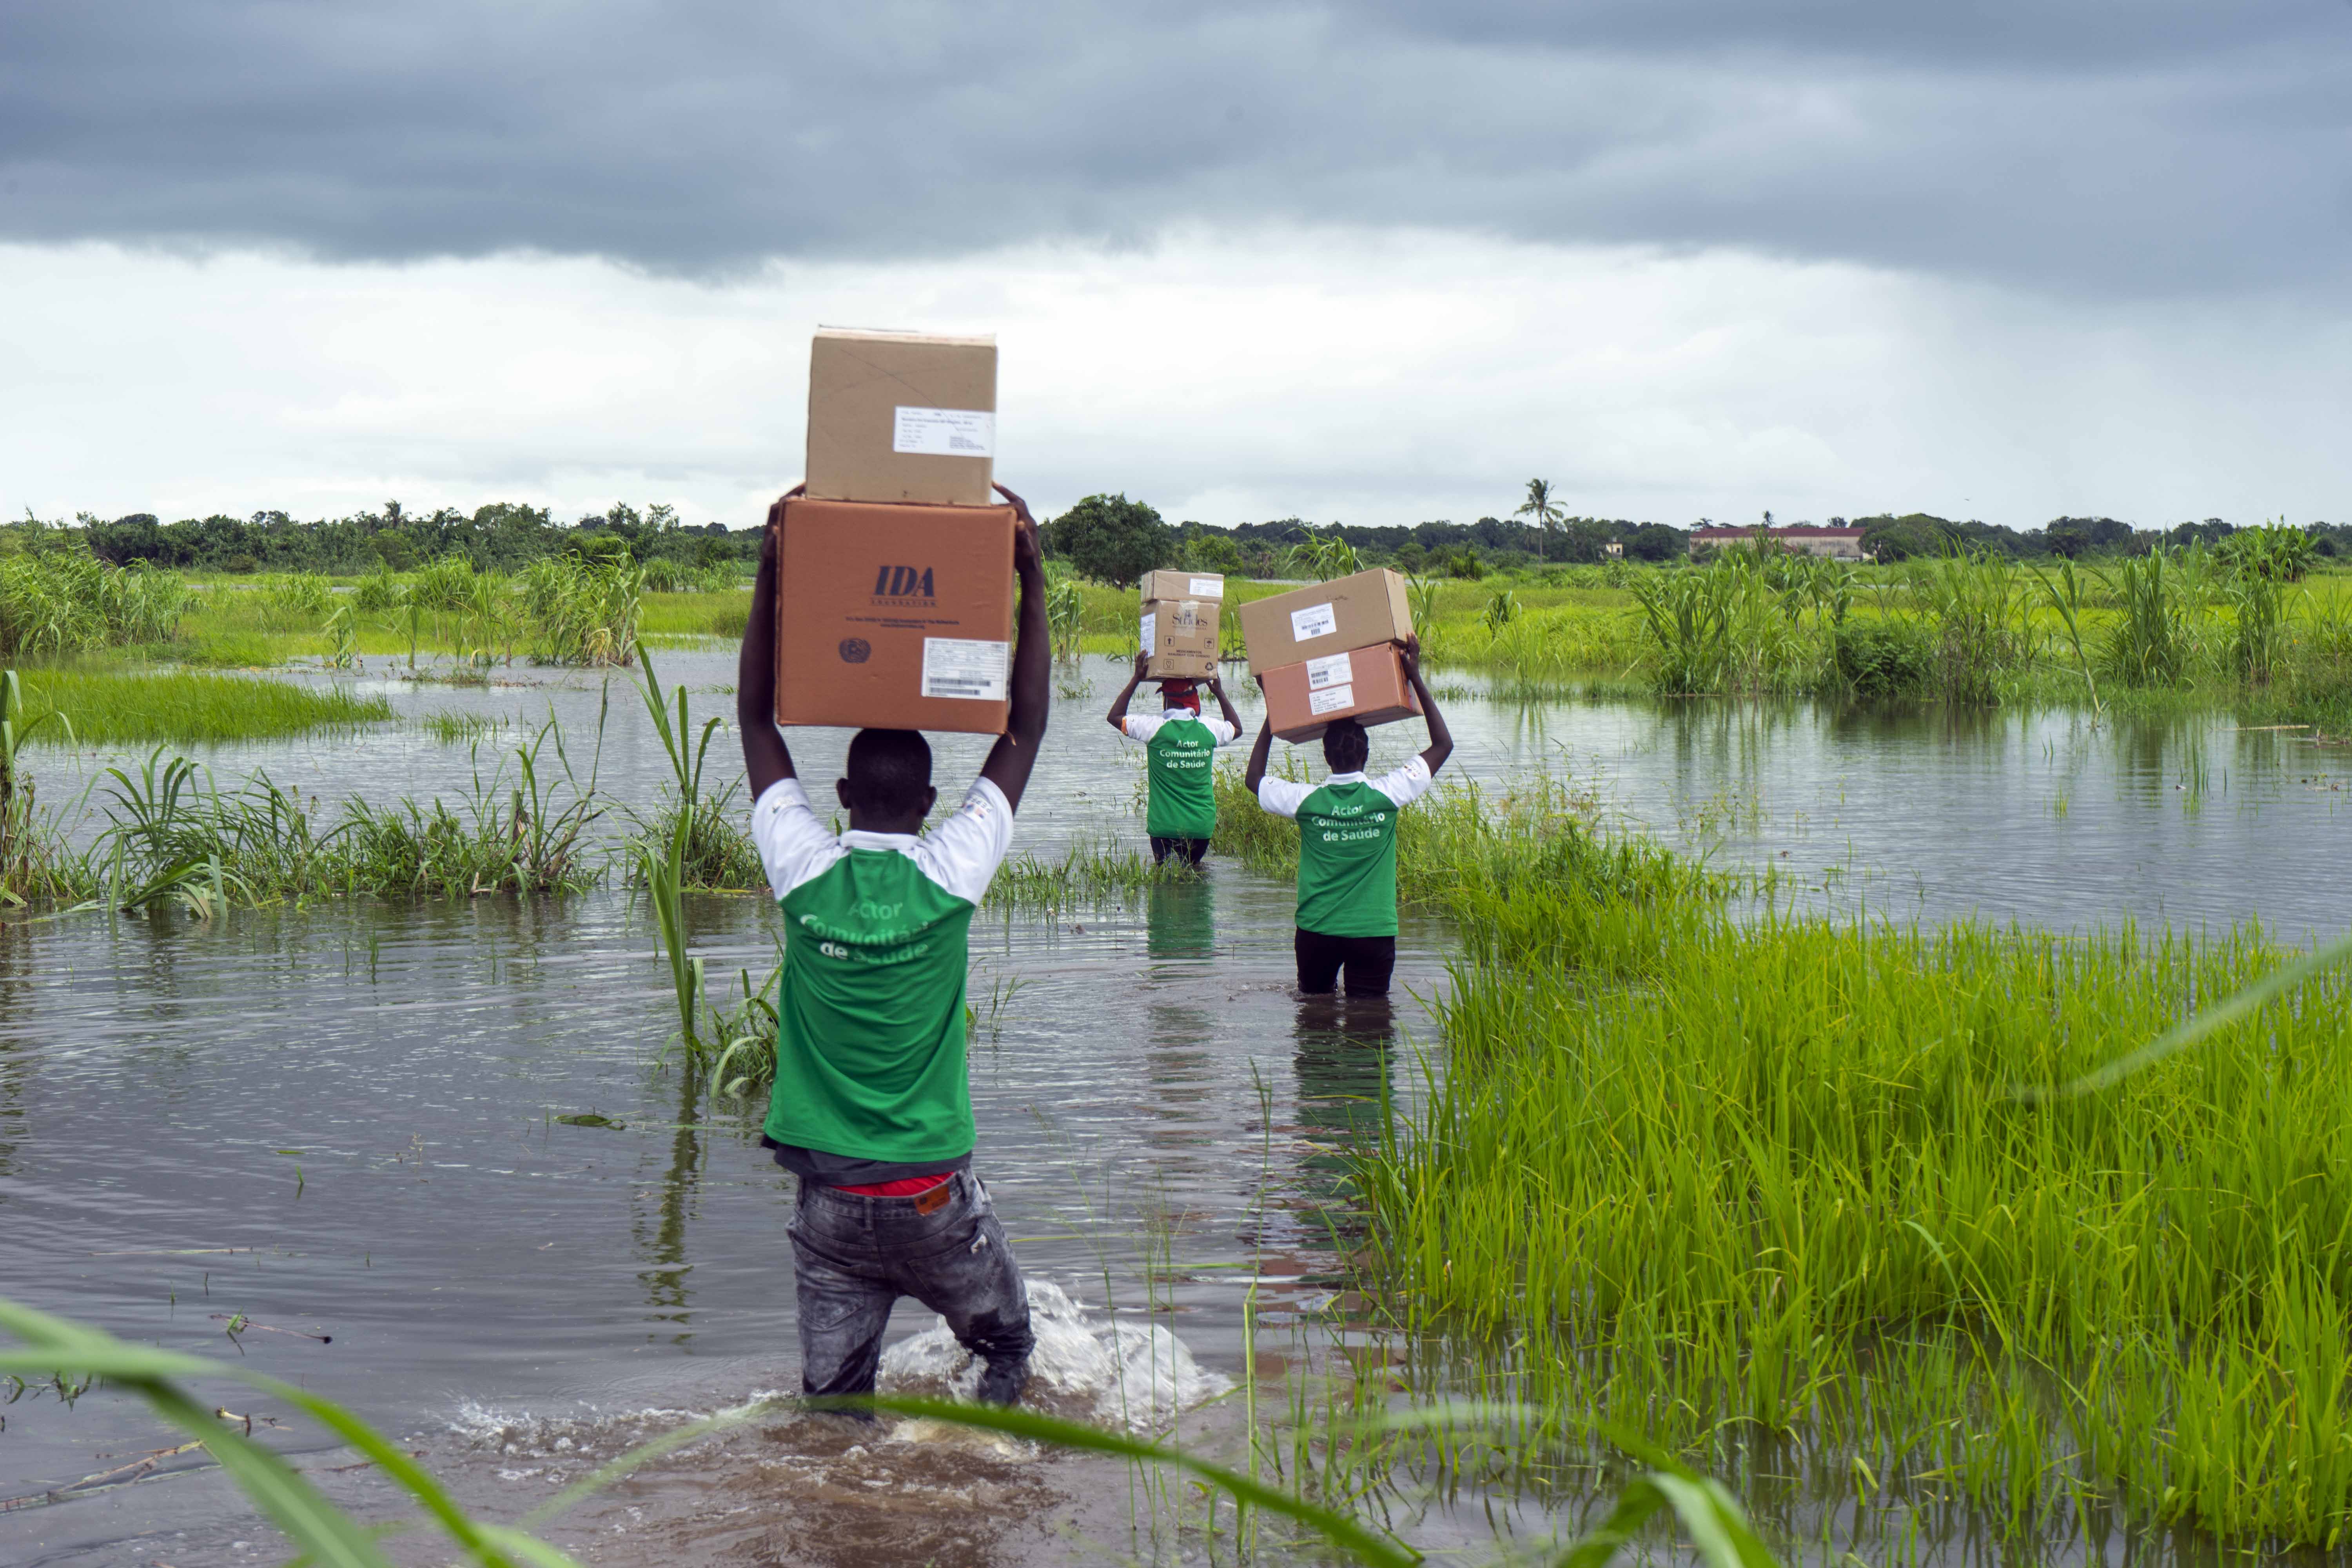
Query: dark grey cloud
(2097,146)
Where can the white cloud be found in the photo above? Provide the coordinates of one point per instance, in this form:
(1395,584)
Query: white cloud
(1378,376)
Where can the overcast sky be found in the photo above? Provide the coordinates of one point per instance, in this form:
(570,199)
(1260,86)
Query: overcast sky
(1683,257)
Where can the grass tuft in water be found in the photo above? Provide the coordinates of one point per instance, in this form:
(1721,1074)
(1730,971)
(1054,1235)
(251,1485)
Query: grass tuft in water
(107,708)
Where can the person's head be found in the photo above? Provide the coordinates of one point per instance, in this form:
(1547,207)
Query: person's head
(888,788)
(1346,746)
(1179,694)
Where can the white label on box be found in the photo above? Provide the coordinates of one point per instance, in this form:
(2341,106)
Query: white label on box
(1151,634)
(1332,669)
(1208,587)
(960,667)
(945,432)
(1314,621)
(1330,700)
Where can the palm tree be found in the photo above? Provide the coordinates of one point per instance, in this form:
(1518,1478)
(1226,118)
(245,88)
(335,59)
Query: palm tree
(1538,506)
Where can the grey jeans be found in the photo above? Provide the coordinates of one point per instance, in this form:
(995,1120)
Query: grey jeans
(853,1255)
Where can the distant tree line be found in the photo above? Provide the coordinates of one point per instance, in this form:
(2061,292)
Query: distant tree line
(1108,537)
(499,537)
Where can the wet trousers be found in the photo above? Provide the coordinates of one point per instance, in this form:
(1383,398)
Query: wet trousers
(1369,960)
(854,1256)
(1189,850)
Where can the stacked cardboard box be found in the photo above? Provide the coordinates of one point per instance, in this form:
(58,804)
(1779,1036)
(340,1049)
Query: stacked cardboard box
(1181,611)
(895,587)
(1330,652)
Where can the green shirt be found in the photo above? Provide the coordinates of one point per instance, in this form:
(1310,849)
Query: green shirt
(1179,748)
(869,1037)
(1347,846)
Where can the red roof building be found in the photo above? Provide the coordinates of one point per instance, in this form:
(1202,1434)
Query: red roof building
(1837,544)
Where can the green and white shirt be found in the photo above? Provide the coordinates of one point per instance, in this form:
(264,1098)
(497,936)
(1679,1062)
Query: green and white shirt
(1178,745)
(1347,846)
(869,1037)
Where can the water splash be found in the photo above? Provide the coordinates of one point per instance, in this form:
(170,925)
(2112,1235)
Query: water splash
(1137,1375)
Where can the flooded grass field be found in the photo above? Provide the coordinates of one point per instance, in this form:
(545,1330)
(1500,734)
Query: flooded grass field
(431,1158)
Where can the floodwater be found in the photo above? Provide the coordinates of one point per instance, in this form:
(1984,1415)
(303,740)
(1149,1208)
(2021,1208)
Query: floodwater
(342,1123)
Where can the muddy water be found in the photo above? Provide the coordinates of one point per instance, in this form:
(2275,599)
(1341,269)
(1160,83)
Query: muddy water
(342,1122)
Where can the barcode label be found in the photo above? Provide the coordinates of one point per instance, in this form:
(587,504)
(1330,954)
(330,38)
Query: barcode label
(1314,621)
(1208,587)
(944,432)
(965,668)
(1330,700)
(1331,669)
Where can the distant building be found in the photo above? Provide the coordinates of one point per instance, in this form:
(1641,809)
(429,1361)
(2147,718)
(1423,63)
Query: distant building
(1614,550)
(1837,544)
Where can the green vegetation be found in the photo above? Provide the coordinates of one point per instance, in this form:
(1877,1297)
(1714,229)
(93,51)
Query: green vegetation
(57,601)
(109,708)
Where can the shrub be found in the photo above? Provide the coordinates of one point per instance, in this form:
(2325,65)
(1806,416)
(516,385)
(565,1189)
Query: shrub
(1883,659)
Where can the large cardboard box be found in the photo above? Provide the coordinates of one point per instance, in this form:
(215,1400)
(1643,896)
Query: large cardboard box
(1182,586)
(894,617)
(1366,684)
(1328,617)
(901,417)
(1179,637)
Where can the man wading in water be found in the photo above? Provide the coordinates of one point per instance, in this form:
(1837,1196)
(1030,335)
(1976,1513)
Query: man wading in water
(1347,845)
(1178,744)
(872,1108)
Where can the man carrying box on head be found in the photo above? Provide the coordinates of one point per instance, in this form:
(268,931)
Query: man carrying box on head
(1347,845)
(1180,745)
(872,1108)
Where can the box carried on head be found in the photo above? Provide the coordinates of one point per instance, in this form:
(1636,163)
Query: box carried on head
(1182,611)
(901,417)
(895,585)
(1330,652)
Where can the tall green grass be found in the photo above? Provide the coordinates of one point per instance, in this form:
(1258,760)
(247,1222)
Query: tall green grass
(63,601)
(1767,1187)
(108,708)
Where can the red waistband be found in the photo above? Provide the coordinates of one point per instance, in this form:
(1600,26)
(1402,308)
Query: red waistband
(904,1187)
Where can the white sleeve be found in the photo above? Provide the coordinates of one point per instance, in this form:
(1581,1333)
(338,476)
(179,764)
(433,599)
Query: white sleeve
(961,854)
(1283,796)
(793,844)
(1141,728)
(1224,733)
(1405,785)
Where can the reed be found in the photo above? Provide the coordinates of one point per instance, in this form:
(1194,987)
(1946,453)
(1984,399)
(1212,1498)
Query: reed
(56,602)
(586,610)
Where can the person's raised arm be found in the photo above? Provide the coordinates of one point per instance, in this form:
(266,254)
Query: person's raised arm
(1127,693)
(1232,720)
(1016,751)
(1254,773)
(1441,738)
(765,756)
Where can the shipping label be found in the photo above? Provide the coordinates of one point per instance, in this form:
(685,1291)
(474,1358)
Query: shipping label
(1330,700)
(1208,587)
(945,432)
(963,666)
(1151,634)
(1314,621)
(1332,669)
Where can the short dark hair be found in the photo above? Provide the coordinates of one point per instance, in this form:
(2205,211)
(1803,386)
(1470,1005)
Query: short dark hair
(1346,746)
(889,770)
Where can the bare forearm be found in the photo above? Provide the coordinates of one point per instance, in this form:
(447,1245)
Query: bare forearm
(1441,738)
(1119,704)
(1032,661)
(1255,775)
(765,757)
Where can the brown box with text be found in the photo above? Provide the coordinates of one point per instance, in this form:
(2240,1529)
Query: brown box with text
(1346,613)
(1179,637)
(1184,586)
(894,617)
(901,417)
(1366,684)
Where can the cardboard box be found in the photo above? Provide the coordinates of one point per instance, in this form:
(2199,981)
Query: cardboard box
(1330,617)
(1181,637)
(901,417)
(1366,684)
(1182,586)
(895,618)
